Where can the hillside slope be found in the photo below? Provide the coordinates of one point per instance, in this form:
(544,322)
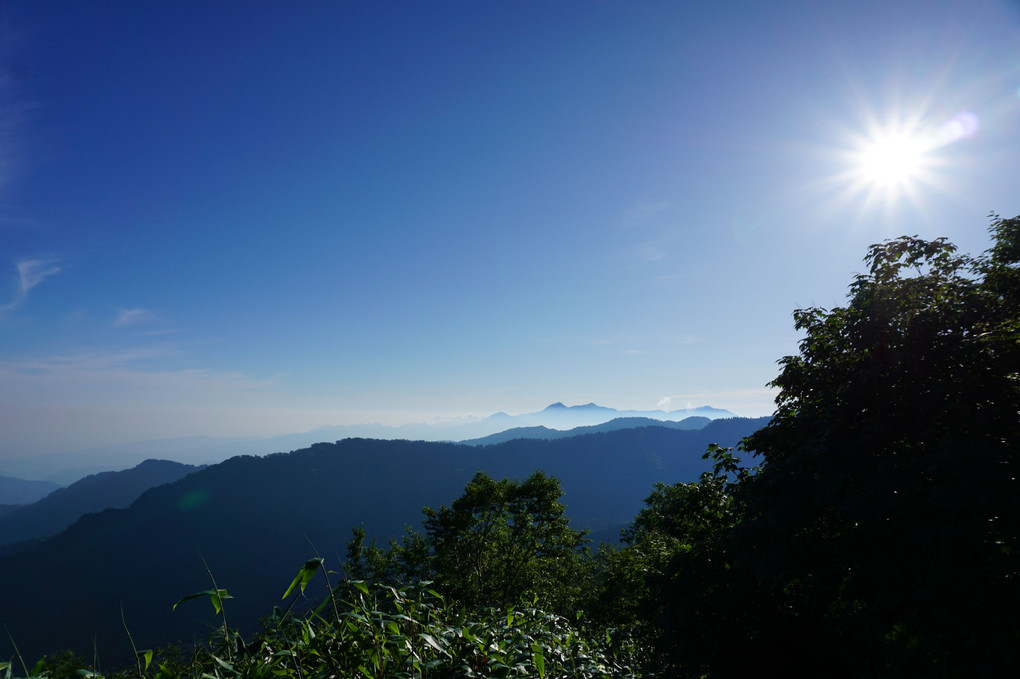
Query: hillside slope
(64,506)
(15,491)
(253,519)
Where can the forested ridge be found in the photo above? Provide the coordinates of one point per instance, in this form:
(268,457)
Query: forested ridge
(870,529)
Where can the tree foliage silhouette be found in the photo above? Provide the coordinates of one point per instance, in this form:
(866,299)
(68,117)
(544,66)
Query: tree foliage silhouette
(501,540)
(882,534)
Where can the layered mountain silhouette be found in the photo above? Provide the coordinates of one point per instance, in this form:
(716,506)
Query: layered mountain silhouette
(67,467)
(15,491)
(64,506)
(541,432)
(561,417)
(253,520)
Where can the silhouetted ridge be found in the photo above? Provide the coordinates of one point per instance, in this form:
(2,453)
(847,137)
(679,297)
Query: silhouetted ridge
(252,519)
(541,432)
(14,491)
(64,506)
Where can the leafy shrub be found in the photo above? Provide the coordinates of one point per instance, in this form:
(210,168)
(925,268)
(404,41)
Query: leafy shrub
(379,631)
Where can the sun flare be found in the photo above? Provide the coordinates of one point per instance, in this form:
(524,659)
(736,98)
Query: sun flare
(895,160)
(892,159)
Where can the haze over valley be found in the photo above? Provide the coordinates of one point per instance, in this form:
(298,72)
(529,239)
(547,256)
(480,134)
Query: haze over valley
(66,467)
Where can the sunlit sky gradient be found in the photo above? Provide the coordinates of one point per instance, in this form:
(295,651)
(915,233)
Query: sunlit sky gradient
(236,218)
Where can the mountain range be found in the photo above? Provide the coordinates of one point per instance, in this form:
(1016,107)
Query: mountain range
(542,432)
(255,520)
(28,524)
(15,491)
(65,468)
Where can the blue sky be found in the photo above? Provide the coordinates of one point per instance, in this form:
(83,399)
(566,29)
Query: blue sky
(252,218)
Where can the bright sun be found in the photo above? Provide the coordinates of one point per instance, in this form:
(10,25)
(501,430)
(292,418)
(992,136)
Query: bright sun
(891,160)
(901,158)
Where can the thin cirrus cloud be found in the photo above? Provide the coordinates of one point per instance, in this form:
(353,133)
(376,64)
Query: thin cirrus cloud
(125,373)
(753,402)
(135,317)
(31,272)
(643,212)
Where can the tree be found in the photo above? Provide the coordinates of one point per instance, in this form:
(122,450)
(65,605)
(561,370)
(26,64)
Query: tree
(680,525)
(403,562)
(882,534)
(504,539)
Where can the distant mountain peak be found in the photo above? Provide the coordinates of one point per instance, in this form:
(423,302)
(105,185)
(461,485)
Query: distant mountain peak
(587,406)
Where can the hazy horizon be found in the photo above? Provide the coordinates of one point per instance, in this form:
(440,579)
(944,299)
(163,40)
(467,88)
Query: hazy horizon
(235,219)
(66,466)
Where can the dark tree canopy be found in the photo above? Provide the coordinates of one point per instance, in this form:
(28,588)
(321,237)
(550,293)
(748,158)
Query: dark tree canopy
(680,524)
(503,539)
(499,542)
(882,534)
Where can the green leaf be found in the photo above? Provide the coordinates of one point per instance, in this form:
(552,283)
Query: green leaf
(147,655)
(223,663)
(431,641)
(216,596)
(304,576)
(539,661)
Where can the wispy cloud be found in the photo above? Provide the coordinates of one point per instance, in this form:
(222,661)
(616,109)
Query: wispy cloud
(34,271)
(124,373)
(744,402)
(642,212)
(31,272)
(135,317)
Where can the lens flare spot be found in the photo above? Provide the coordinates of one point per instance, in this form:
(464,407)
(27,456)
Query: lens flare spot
(961,126)
(193,499)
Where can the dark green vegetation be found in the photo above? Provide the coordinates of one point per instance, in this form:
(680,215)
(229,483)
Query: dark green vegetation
(498,542)
(880,536)
(253,520)
(877,536)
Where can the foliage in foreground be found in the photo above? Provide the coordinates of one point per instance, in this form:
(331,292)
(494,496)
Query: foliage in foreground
(499,542)
(881,536)
(377,631)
